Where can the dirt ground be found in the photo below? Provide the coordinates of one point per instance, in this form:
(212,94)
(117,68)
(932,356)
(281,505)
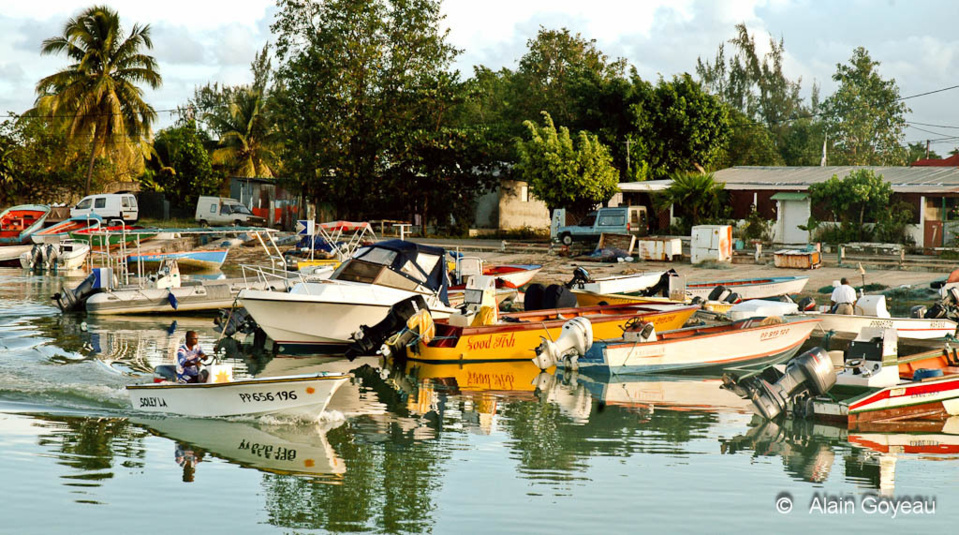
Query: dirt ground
(559,269)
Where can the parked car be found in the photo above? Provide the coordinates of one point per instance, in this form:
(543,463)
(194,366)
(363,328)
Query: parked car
(618,220)
(108,206)
(225,211)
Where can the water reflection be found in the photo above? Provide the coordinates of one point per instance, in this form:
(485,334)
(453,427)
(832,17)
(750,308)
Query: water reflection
(810,449)
(281,448)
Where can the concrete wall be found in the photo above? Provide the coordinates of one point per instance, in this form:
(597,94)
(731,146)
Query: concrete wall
(487,211)
(518,209)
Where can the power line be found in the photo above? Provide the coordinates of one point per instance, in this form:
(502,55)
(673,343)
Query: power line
(930,92)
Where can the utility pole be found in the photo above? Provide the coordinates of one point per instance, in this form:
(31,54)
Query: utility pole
(927,149)
(627,156)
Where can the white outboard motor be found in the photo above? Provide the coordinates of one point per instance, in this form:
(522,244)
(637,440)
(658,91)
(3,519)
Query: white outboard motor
(809,373)
(573,342)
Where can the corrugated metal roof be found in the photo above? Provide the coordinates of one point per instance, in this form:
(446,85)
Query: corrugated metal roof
(903,179)
(645,186)
(790,196)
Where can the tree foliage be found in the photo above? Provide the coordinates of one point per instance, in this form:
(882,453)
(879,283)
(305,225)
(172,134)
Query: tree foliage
(36,163)
(696,199)
(362,85)
(688,127)
(564,173)
(183,167)
(865,116)
(97,99)
(859,197)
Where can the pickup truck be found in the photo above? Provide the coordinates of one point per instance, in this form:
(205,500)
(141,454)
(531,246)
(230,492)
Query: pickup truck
(618,220)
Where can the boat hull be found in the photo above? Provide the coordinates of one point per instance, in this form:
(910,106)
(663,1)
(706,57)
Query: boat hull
(294,395)
(513,275)
(18,223)
(749,345)
(322,316)
(751,288)
(204,297)
(509,341)
(933,399)
(915,328)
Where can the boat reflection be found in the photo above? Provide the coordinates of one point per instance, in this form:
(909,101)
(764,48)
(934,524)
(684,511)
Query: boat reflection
(473,391)
(281,449)
(651,392)
(810,449)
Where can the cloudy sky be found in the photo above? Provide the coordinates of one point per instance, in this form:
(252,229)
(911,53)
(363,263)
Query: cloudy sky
(200,41)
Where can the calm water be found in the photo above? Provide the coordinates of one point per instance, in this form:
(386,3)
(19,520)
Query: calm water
(438,449)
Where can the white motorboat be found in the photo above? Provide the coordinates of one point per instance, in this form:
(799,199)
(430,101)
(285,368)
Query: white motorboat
(65,255)
(297,395)
(750,288)
(747,343)
(323,316)
(870,311)
(165,293)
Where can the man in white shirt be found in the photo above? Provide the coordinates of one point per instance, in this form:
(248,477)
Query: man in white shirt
(843,297)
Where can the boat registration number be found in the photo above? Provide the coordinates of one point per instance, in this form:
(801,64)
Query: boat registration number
(268,451)
(280,395)
(769,335)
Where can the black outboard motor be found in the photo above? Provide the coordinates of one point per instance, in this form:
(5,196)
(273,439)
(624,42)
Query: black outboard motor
(661,287)
(76,299)
(811,373)
(558,296)
(368,340)
(719,293)
(806,304)
(580,277)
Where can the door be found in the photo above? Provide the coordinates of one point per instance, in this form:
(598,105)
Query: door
(932,234)
(794,213)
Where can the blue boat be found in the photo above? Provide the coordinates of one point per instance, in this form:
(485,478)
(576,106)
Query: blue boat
(204,260)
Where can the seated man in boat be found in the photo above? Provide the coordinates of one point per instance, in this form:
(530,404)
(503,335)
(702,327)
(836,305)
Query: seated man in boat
(843,297)
(188,359)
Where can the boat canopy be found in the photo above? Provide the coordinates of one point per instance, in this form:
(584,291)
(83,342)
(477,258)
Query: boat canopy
(381,262)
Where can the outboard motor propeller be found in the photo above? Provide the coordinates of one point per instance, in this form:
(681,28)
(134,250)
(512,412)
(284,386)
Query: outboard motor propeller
(809,373)
(574,341)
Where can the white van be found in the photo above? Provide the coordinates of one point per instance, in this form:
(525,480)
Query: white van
(108,206)
(219,211)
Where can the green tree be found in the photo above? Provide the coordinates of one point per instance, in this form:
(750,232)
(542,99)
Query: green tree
(758,89)
(563,173)
(917,151)
(183,166)
(36,163)
(97,99)
(687,127)
(865,116)
(696,198)
(557,68)
(860,196)
(358,82)
(248,137)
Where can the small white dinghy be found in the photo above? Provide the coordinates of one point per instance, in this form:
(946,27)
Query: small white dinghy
(298,395)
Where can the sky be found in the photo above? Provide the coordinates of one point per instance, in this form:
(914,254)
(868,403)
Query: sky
(202,41)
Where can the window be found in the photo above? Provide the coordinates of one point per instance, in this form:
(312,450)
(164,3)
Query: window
(524,193)
(85,204)
(589,220)
(100,202)
(612,220)
(225,209)
(212,208)
(125,202)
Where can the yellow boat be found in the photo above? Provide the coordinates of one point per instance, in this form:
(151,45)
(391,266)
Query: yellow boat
(588,299)
(516,335)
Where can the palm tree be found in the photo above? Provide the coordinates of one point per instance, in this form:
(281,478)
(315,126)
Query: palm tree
(696,196)
(247,136)
(97,97)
